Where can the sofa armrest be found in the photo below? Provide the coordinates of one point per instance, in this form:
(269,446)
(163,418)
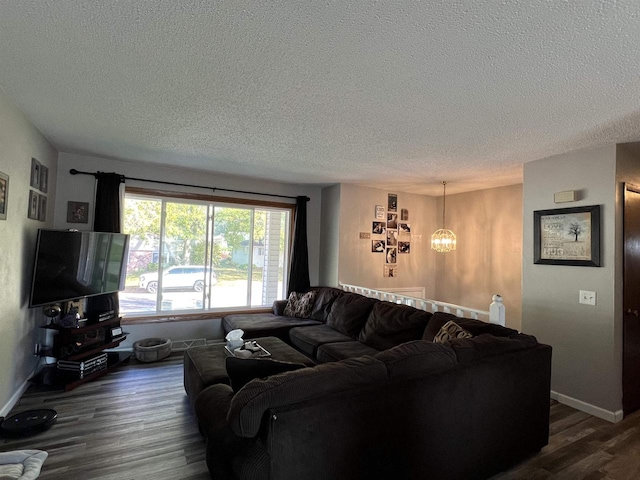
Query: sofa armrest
(211,408)
(279,306)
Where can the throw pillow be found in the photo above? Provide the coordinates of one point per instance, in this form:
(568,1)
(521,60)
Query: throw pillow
(242,370)
(300,304)
(449,331)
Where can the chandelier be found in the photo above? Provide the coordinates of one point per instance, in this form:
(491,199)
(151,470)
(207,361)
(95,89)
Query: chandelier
(443,240)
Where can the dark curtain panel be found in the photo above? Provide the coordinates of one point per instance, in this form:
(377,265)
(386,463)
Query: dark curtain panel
(106,218)
(299,272)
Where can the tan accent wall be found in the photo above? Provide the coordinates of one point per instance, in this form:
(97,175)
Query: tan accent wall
(488,258)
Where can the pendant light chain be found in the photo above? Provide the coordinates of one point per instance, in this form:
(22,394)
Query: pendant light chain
(444,202)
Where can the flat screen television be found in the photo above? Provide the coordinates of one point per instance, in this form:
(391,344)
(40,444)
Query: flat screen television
(70,265)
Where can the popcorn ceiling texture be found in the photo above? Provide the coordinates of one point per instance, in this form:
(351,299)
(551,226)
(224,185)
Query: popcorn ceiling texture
(392,94)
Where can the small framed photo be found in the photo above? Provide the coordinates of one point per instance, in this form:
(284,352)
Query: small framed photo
(44,179)
(35,173)
(404,247)
(404,214)
(404,228)
(392,253)
(392,220)
(390,271)
(379,228)
(377,246)
(34,202)
(77,212)
(4,195)
(392,202)
(392,238)
(379,212)
(42,208)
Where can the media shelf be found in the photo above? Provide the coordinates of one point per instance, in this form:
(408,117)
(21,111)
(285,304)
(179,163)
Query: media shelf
(82,344)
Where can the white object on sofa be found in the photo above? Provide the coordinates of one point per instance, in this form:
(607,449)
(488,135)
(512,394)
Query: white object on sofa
(21,464)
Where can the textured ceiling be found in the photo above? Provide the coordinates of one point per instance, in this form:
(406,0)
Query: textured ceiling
(393,94)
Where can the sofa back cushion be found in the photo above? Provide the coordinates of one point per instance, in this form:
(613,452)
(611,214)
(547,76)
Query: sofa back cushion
(468,350)
(416,359)
(249,404)
(349,313)
(324,301)
(390,324)
(474,327)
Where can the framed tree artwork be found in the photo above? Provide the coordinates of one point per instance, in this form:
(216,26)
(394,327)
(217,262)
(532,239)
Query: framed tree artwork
(567,236)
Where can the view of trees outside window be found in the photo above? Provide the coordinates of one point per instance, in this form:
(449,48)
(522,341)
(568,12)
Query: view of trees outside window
(193,256)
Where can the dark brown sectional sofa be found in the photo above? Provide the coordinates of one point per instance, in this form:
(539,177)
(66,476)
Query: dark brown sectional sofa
(384,401)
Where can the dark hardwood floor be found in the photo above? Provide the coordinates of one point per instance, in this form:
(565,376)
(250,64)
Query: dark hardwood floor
(136,424)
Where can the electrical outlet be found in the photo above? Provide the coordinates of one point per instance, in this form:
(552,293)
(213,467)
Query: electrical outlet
(587,297)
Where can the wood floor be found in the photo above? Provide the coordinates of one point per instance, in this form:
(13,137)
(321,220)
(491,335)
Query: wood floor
(136,424)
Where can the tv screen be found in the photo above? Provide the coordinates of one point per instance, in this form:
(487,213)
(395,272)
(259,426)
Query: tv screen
(70,265)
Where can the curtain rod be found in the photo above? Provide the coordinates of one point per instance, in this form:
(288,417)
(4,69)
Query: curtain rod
(73,171)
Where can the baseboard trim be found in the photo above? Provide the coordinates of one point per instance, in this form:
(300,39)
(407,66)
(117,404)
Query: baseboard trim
(15,398)
(609,416)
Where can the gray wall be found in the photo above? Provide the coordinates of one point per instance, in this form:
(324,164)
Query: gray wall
(586,355)
(19,332)
(330,236)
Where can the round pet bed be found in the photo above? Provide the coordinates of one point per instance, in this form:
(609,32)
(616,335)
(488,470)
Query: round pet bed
(152,349)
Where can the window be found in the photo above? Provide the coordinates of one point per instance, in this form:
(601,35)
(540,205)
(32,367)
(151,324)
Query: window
(201,253)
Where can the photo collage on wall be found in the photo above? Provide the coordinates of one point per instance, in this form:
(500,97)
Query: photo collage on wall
(37,201)
(391,234)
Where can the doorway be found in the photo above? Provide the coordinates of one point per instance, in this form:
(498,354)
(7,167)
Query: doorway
(631,301)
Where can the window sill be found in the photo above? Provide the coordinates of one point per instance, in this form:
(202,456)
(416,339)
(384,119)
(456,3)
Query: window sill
(183,317)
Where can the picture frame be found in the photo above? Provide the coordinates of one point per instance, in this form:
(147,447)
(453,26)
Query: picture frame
(567,236)
(77,212)
(44,179)
(392,202)
(34,202)
(4,195)
(35,174)
(379,228)
(377,246)
(42,208)
(379,212)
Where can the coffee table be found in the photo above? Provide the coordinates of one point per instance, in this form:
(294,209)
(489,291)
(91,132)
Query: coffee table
(205,366)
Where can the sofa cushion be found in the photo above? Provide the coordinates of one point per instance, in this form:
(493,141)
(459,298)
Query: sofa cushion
(249,404)
(349,313)
(474,327)
(299,304)
(243,370)
(449,331)
(416,359)
(332,352)
(390,324)
(324,301)
(308,339)
(257,325)
(486,345)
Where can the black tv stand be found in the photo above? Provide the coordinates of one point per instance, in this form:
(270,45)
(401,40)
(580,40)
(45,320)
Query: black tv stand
(81,345)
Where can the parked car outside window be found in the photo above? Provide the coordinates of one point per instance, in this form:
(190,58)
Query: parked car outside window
(178,277)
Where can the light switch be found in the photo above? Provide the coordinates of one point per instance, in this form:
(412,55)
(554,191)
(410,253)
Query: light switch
(587,297)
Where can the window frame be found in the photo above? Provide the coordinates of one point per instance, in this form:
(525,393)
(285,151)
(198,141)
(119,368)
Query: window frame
(132,319)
